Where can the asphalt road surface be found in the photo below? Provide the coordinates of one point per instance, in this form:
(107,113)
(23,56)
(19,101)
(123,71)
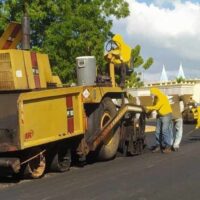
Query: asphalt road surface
(150,176)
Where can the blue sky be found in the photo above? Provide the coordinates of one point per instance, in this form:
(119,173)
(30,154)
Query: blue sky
(168,31)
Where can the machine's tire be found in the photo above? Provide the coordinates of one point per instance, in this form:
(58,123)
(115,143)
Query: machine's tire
(61,161)
(36,167)
(105,112)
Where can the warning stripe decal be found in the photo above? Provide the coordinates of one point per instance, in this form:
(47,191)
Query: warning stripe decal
(34,60)
(70,114)
(35,69)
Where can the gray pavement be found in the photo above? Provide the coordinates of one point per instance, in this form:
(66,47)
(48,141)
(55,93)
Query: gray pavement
(150,176)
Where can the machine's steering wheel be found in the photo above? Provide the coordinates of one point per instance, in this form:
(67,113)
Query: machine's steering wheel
(111,45)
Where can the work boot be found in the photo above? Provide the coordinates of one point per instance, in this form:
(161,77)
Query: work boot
(167,150)
(155,149)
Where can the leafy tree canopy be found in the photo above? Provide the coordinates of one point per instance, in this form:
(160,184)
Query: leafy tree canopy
(134,79)
(66,29)
(180,79)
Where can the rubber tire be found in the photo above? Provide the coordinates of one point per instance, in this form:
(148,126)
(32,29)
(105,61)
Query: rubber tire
(105,110)
(60,165)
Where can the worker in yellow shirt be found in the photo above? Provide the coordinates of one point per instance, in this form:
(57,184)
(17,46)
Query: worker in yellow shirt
(120,55)
(163,132)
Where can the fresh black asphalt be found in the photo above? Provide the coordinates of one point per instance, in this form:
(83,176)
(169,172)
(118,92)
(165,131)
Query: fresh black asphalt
(150,176)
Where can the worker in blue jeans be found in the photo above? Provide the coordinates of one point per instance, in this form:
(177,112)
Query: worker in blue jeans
(177,120)
(178,125)
(163,132)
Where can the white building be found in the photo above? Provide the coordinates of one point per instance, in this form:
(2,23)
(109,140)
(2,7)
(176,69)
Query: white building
(186,87)
(189,87)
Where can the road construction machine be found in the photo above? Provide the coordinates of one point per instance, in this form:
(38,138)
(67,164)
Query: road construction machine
(46,125)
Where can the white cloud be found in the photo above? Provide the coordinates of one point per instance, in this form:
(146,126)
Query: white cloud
(168,35)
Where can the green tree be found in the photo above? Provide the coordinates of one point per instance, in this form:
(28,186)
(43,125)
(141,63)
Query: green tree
(134,79)
(66,29)
(180,80)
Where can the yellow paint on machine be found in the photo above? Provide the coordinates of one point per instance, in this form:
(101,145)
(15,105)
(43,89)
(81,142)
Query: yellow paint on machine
(11,36)
(19,74)
(43,112)
(43,116)
(12,70)
(95,94)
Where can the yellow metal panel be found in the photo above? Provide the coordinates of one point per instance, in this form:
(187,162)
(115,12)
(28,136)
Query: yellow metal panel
(18,68)
(29,71)
(95,94)
(43,64)
(44,67)
(51,93)
(13,73)
(11,36)
(6,75)
(45,75)
(17,40)
(45,119)
(78,108)
(43,116)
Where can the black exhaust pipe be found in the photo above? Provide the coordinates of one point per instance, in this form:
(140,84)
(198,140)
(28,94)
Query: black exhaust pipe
(25,30)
